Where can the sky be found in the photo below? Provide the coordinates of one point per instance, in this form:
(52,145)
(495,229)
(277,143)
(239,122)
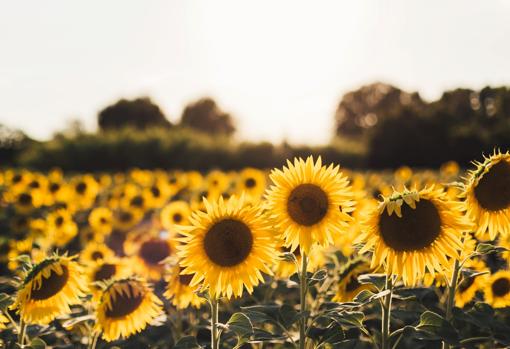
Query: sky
(280,67)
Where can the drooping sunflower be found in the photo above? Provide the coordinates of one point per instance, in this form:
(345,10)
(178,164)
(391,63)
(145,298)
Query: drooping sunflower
(487,195)
(175,213)
(309,203)
(497,289)
(179,291)
(349,286)
(227,247)
(126,306)
(412,232)
(49,289)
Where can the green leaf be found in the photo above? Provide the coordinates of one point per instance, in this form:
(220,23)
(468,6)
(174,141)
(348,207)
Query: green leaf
(241,325)
(378,280)
(5,301)
(437,326)
(288,257)
(37,343)
(317,277)
(483,248)
(289,315)
(188,342)
(351,319)
(367,296)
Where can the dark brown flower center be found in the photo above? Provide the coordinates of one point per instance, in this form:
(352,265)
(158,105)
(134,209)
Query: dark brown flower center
(50,286)
(154,251)
(97,255)
(493,189)
(59,221)
(417,228)
(250,183)
(124,304)
(17,178)
(103,221)
(105,272)
(155,191)
(228,242)
(54,187)
(501,287)
(137,201)
(307,204)
(125,216)
(34,184)
(177,217)
(25,199)
(81,187)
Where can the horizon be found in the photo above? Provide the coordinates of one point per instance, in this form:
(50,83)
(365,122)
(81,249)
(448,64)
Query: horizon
(280,79)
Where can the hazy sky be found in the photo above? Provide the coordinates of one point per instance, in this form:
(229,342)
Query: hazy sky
(279,66)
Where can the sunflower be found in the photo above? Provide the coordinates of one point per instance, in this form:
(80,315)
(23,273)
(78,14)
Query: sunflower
(3,321)
(104,270)
(217,181)
(414,231)
(309,203)
(497,289)
(27,200)
(487,195)
(179,291)
(84,191)
(252,182)
(349,286)
(127,219)
(175,213)
(101,220)
(227,247)
(49,289)
(126,306)
(467,288)
(94,251)
(61,227)
(148,252)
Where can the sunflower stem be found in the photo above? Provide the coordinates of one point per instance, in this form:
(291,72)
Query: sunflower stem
(94,340)
(303,288)
(214,323)
(386,314)
(452,289)
(21,333)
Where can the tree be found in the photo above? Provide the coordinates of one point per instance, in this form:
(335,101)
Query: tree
(362,109)
(204,115)
(140,113)
(12,144)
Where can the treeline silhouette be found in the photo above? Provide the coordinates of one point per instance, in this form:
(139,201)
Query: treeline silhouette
(376,126)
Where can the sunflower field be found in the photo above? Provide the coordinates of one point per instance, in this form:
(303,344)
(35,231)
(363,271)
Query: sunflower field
(308,255)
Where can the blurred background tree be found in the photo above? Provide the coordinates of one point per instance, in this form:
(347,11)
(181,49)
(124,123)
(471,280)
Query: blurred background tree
(12,144)
(206,116)
(361,110)
(140,113)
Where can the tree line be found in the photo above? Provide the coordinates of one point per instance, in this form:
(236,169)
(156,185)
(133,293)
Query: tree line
(375,126)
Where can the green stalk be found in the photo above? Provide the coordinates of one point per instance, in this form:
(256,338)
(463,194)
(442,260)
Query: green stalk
(386,314)
(452,289)
(21,333)
(214,323)
(303,288)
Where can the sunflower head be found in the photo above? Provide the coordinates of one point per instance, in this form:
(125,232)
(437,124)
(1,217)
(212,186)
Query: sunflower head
(126,306)
(179,291)
(487,195)
(349,286)
(497,289)
(227,247)
(305,201)
(49,289)
(414,231)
